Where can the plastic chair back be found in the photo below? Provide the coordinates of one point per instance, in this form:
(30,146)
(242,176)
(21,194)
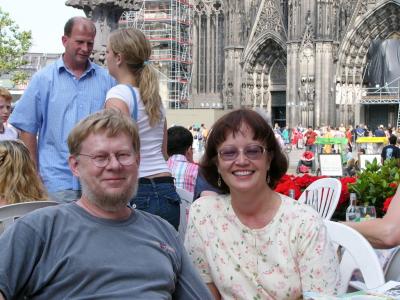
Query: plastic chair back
(327,191)
(9,213)
(186,201)
(358,255)
(392,270)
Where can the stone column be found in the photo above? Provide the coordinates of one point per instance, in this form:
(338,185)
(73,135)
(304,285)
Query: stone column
(217,53)
(201,67)
(258,98)
(208,67)
(321,108)
(265,101)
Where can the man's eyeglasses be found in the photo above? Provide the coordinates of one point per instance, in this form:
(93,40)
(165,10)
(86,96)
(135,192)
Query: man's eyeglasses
(252,152)
(102,160)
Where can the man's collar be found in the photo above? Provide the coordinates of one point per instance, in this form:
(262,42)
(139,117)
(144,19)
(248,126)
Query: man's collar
(62,67)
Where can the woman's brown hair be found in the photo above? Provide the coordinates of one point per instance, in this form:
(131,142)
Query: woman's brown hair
(232,123)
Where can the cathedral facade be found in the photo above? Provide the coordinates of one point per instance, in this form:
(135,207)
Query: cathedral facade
(301,61)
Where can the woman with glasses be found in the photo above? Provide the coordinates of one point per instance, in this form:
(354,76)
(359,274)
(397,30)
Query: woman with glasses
(137,95)
(251,242)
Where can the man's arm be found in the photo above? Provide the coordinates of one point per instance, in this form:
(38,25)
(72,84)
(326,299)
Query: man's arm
(382,233)
(31,142)
(190,285)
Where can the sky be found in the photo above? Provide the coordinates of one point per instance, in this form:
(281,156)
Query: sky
(45,18)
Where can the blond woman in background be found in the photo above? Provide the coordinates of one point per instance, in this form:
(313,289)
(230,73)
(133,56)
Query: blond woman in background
(137,95)
(19,181)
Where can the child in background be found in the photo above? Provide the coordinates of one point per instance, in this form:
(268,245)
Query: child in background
(7,132)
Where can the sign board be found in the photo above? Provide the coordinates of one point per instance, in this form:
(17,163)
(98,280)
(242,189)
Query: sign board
(369,157)
(330,164)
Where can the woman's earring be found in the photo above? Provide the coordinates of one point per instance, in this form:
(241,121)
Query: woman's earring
(219,180)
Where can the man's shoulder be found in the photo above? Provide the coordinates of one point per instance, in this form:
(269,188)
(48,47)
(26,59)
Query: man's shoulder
(48,211)
(151,222)
(47,70)
(99,70)
(42,219)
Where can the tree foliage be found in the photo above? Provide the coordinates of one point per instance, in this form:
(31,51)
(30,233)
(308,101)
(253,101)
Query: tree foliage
(14,44)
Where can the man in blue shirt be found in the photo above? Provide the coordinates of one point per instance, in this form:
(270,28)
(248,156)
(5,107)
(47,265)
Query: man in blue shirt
(379,132)
(57,97)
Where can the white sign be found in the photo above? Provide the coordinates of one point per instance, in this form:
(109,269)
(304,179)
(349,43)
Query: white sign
(330,164)
(364,158)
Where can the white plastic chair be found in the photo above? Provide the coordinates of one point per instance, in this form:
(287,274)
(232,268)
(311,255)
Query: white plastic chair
(9,213)
(358,254)
(392,269)
(186,201)
(328,193)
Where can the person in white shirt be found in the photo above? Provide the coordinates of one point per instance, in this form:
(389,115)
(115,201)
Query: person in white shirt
(137,95)
(7,131)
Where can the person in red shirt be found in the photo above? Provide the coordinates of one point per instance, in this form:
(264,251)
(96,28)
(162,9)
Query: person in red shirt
(349,137)
(310,137)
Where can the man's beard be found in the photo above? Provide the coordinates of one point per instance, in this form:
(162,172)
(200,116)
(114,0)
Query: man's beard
(109,202)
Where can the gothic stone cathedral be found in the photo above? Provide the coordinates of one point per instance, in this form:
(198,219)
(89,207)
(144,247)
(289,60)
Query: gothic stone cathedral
(302,61)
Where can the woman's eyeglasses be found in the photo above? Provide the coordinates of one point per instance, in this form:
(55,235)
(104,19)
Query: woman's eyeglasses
(252,152)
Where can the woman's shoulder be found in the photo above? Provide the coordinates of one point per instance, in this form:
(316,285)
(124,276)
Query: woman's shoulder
(210,204)
(296,211)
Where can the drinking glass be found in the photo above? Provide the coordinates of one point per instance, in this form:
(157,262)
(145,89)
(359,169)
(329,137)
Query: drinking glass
(367,213)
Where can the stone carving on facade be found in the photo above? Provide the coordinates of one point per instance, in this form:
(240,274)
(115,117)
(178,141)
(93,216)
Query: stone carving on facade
(249,87)
(363,7)
(99,56)
(258,98)
(265,102)
(270,19)
(229,95)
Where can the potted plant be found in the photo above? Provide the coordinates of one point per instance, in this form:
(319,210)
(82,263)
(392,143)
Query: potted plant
(376,183)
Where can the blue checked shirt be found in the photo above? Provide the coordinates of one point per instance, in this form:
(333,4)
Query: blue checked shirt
(53,103)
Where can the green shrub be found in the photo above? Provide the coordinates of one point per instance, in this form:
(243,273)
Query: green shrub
(376,183)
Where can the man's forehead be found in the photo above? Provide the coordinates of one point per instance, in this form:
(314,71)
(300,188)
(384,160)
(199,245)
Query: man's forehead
(83,27)
(120,138)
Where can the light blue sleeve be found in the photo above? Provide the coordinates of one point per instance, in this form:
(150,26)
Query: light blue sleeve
(27,114)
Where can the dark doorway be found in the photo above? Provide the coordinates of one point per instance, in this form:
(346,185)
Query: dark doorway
(377,115)
(278,108)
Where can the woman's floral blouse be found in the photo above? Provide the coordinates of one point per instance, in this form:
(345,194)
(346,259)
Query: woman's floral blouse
(290,255)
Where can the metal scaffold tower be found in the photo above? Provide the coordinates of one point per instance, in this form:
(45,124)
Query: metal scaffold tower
(167,25)
(388,94)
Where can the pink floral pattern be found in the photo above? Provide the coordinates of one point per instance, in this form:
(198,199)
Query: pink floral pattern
(289,256)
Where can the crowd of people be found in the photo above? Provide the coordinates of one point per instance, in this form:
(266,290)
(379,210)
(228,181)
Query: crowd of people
(97,142)
(300,137)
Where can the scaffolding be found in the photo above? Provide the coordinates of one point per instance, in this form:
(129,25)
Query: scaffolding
(167,25)
(388,94)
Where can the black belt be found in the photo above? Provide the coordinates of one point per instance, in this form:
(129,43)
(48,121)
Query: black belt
(165,179)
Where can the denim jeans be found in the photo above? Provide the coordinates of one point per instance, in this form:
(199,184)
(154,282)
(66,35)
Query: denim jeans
(159,199)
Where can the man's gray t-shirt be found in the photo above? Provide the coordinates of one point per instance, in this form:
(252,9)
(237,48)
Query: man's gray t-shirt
(62,252)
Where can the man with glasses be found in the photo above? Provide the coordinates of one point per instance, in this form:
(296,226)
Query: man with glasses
(98,247)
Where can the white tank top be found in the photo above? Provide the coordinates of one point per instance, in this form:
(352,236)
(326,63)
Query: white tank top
(152,161)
